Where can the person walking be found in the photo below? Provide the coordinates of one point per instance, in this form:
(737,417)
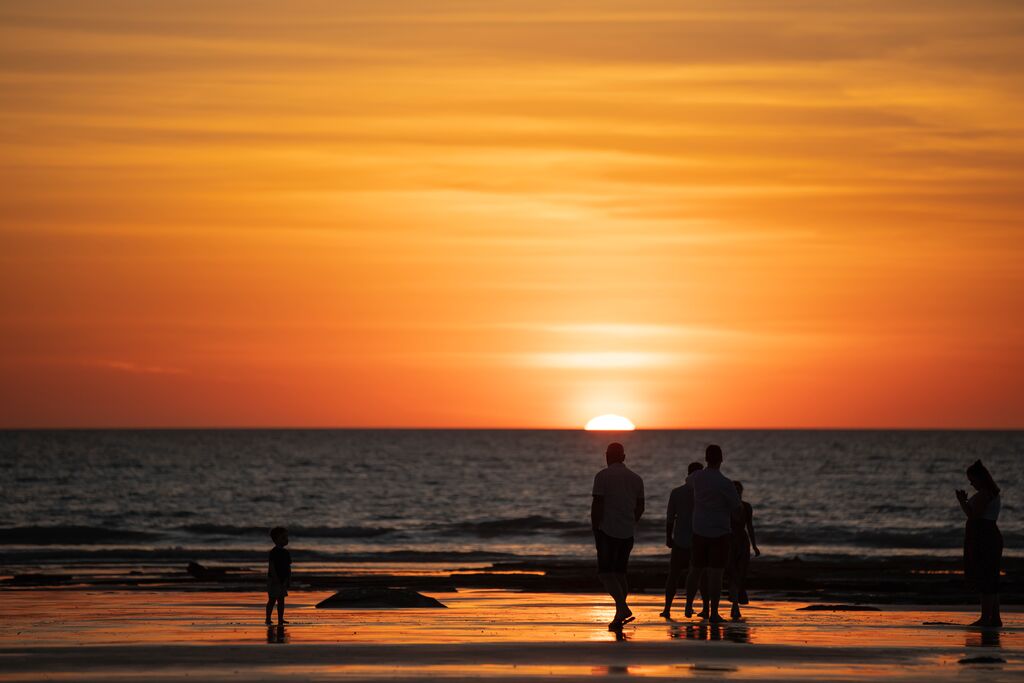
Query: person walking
(617,505)
(742,540)
(714,502)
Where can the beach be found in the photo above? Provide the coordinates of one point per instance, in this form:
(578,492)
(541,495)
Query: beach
(166,580)
(88,634)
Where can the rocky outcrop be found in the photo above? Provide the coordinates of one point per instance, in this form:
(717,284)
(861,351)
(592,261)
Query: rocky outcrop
(378,598)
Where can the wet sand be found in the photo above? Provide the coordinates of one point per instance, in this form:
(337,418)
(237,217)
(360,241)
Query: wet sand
(75,634)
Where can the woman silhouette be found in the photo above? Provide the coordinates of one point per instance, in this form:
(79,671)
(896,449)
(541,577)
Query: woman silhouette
(983,544)
(739,553)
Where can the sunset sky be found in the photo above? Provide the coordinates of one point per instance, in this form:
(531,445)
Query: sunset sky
(512,213)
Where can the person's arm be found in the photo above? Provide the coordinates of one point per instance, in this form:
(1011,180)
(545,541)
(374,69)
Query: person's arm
(596,512)
(750,531)
(670,521)
(732,497)
(961,497)
(638,510)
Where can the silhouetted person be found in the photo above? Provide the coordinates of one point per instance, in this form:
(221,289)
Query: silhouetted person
(616,508)
(714,501)
(279,573)
(739,556)
(679,537)
(983,544)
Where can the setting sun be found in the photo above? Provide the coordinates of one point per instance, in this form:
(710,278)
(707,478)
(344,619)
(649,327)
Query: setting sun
(610,423)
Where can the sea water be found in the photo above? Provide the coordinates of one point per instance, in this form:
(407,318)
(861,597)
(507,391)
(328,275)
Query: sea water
(472,495)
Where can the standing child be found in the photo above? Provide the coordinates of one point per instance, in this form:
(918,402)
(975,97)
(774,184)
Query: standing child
(279,572)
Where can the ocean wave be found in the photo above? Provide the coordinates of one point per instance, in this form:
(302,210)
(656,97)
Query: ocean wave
(946,537)
(513,526)
(256,558)
(298,531)
(71,535)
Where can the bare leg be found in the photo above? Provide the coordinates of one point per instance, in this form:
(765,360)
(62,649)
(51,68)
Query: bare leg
(625,613)
(734,592)
(706,603)
(615,589)
(675,572)
(738,584)
(694,580)
(983,619)
(995,618)
(714,593)
(671,586)
(280,610)
(270,608)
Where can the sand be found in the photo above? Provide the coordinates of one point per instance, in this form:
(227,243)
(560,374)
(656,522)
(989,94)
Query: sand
(73,634)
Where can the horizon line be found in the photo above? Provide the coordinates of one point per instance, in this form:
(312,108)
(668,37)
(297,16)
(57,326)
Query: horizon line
(226,428)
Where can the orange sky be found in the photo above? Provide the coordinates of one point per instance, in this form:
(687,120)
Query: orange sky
(515,213)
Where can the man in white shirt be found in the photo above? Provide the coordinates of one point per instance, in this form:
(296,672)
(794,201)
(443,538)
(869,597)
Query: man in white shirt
(617,506)
(714,501)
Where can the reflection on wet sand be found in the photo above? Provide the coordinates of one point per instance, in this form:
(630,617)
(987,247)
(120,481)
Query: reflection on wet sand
(987,637)
(277,634)
(620,634)
(128,635)
(613,670)
(733,633)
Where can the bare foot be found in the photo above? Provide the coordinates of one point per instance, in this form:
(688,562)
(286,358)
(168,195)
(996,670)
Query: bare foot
(665,614)
(688,612)
(716,619)
(734,614)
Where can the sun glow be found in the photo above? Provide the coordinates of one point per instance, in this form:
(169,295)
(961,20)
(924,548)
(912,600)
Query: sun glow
(610,423)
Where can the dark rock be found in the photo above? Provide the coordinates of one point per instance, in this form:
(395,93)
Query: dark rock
(202,573)
(377,598)
(838,608)
(983,660)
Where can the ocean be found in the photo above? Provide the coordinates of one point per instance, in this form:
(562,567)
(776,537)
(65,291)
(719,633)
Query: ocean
(464,496)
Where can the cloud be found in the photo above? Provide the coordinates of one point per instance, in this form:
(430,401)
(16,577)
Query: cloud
(134,368)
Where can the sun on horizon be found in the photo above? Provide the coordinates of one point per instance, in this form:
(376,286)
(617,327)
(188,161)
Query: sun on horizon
(610,423)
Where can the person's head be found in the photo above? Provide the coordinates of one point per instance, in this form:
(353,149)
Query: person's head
(739,487)
(279,535)
(981,479)
(693,467)
(713,456)
(615,453)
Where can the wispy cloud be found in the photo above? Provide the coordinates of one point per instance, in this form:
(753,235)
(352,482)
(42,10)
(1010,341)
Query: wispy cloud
(135,368)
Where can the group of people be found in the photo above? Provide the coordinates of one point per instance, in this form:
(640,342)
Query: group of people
(708,526)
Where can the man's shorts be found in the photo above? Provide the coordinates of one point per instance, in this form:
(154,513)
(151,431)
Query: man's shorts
(680,562)
(612,553)
(710,552)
